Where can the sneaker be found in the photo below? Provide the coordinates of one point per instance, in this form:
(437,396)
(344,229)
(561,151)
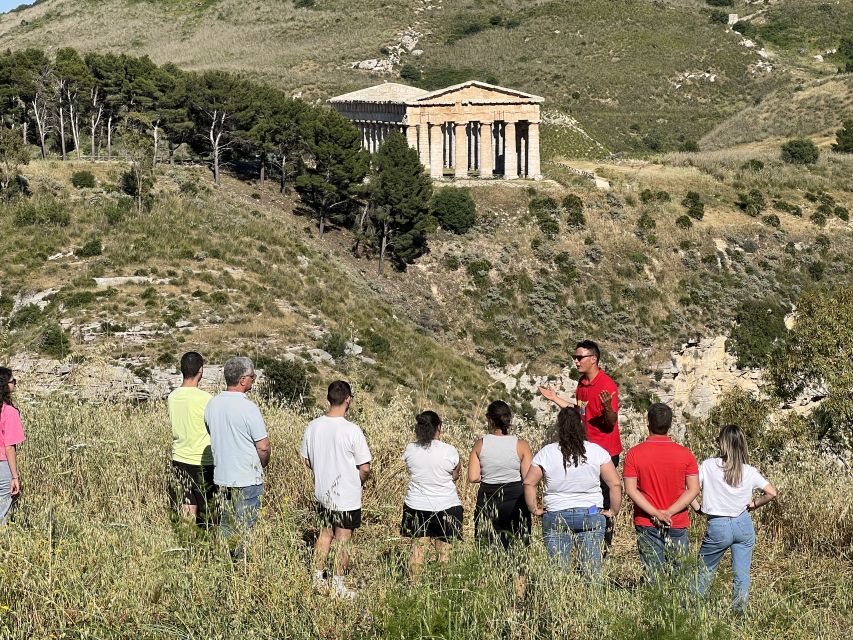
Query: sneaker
(339,589)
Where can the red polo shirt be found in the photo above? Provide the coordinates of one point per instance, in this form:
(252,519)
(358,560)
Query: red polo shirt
(591,410)
(661,467)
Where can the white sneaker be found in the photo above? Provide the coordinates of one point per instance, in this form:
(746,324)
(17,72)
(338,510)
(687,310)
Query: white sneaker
(339,589)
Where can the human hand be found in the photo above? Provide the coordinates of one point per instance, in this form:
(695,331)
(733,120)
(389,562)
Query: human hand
(548,393)
(609,513)
(538,512)
(16,486)
(751,506)
(663,516)
(606,399)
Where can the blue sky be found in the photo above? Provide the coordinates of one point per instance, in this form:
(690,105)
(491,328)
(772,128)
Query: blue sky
(5,5)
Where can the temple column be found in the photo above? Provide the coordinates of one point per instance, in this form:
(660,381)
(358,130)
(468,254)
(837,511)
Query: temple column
(487,155)
(436,150)
(412,136)
(522,155)
(510,152)
(423,144)
(460,161)
(533,163)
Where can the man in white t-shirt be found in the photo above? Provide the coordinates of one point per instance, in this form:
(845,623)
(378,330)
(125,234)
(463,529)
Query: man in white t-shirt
(336,451)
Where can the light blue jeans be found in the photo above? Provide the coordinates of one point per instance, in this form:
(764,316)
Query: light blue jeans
(724,533)
(662,550)
(6,499)
(562,529)
(240,509)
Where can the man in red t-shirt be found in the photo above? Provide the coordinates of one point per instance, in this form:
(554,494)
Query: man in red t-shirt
(662,478)
(597,401)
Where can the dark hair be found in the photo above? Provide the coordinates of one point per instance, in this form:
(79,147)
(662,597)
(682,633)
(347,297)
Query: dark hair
(660,419)
(589,345)
(499,416)
(338,393)
(427,424)
(191,364)
(5,394)
(571,434)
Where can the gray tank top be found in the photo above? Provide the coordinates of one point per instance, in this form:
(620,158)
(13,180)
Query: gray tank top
(499,461)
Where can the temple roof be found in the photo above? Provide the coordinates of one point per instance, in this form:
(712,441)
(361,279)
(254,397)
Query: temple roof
(386,92)
(486,91)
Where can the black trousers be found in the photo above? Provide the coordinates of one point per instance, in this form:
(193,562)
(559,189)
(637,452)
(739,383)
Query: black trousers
(605,493)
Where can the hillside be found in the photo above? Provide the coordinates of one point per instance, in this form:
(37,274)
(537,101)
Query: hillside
(632,73)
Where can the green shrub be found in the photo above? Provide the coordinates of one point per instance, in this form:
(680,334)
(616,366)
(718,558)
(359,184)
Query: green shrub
(842,213)
(688,146)
(566,267)
(816,270)
(684,222)
(43,212)
(219,298)
(721,3)
(451,262)
(411,73)
(647,196)
(645,223)
(822,243)
(653,142)
(376,344)
(844,138)
(465,25)
(752,165)
(573,206)
(26,316)
(479,272)
(694,204)
(751,203)
(285,381)
(53,341)
(793,209)
(818,218)
(760,327)
(93,247)
(718,17)
(454,209)
(772,220)
(800,151)
(746,29)
(83,179)
(335,344)
(303,4)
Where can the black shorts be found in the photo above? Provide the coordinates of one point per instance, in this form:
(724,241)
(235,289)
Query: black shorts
(442,525)
(339,519)
(192,484)
(501,514)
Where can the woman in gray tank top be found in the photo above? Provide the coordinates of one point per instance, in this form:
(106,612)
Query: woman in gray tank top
(498,462)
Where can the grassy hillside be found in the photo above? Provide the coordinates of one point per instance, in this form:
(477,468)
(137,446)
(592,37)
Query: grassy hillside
(619,68)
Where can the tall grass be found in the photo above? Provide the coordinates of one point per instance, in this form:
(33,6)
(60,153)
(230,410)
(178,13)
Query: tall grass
(93,552)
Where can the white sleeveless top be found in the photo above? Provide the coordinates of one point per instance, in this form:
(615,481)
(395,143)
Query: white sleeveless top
(499,461)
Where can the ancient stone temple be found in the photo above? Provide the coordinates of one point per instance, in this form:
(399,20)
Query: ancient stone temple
(469,130)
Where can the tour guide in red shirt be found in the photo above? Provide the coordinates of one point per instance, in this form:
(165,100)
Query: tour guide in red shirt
(597,399)
(661,477)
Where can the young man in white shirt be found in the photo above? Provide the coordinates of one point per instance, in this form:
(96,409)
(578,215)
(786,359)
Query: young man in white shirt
(336,451)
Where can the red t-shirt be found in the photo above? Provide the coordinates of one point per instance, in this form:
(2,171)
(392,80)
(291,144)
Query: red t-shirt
(661,467)
(591,410)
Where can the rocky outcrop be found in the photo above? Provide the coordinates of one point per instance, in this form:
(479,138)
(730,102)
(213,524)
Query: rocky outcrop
(406,42)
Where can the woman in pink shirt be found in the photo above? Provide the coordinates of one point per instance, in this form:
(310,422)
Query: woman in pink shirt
(11,435)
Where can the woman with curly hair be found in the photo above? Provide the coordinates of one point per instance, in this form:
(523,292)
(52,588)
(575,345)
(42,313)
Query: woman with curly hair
(573,469)
(432,512)
(11,435)
(499,462)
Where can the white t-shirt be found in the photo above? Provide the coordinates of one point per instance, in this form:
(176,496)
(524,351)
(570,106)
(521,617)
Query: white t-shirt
(720,499)
(335,447)
(431,486)
(572,487)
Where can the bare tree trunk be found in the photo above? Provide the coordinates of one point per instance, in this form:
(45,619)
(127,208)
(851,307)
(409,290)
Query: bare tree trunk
(24,131)
(263,169)
(74,122)
(215,138)
(95,119)
(110,137)
(156,142)
(62,129)
(40,116)
(383,247)
(359,236)
(283,173)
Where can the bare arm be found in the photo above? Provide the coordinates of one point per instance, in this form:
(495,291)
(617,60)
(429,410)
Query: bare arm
(640,501)
(307,463)
(531,479)
(264,449)
(11,452)
(609,415)
(611,479)
(690,493)
(525,455)
(364,472)
(456,471)
(550,394)
(474,462)
(769,494)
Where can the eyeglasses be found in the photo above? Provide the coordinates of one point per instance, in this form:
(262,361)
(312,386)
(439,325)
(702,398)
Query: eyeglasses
(579,358)
(250,375)
(13,381)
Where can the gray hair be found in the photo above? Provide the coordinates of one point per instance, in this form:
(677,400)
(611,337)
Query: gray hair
(236,368)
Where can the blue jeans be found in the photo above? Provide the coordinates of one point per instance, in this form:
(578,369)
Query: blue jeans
(562,529)
(6,498)
(661,550)
(724,533)
(240,508)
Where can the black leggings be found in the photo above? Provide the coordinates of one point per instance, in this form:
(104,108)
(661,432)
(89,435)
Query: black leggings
(501,514)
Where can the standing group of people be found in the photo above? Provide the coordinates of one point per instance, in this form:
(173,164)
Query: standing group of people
(582,491)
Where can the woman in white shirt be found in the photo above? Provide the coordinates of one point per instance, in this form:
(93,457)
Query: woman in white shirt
(573,469)
(728,484)
(432,512)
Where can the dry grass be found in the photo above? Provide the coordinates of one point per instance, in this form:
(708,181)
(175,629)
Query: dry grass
(93,552)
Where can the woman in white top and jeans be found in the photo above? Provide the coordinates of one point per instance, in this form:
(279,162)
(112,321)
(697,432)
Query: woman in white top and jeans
(432,512)
(499,462)
(573,469)
(728,483)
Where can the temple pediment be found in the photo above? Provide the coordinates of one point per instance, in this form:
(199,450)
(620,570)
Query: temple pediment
(475,92)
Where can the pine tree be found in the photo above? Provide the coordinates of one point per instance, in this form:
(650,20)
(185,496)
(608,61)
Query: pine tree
(844,138)
(400,197)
